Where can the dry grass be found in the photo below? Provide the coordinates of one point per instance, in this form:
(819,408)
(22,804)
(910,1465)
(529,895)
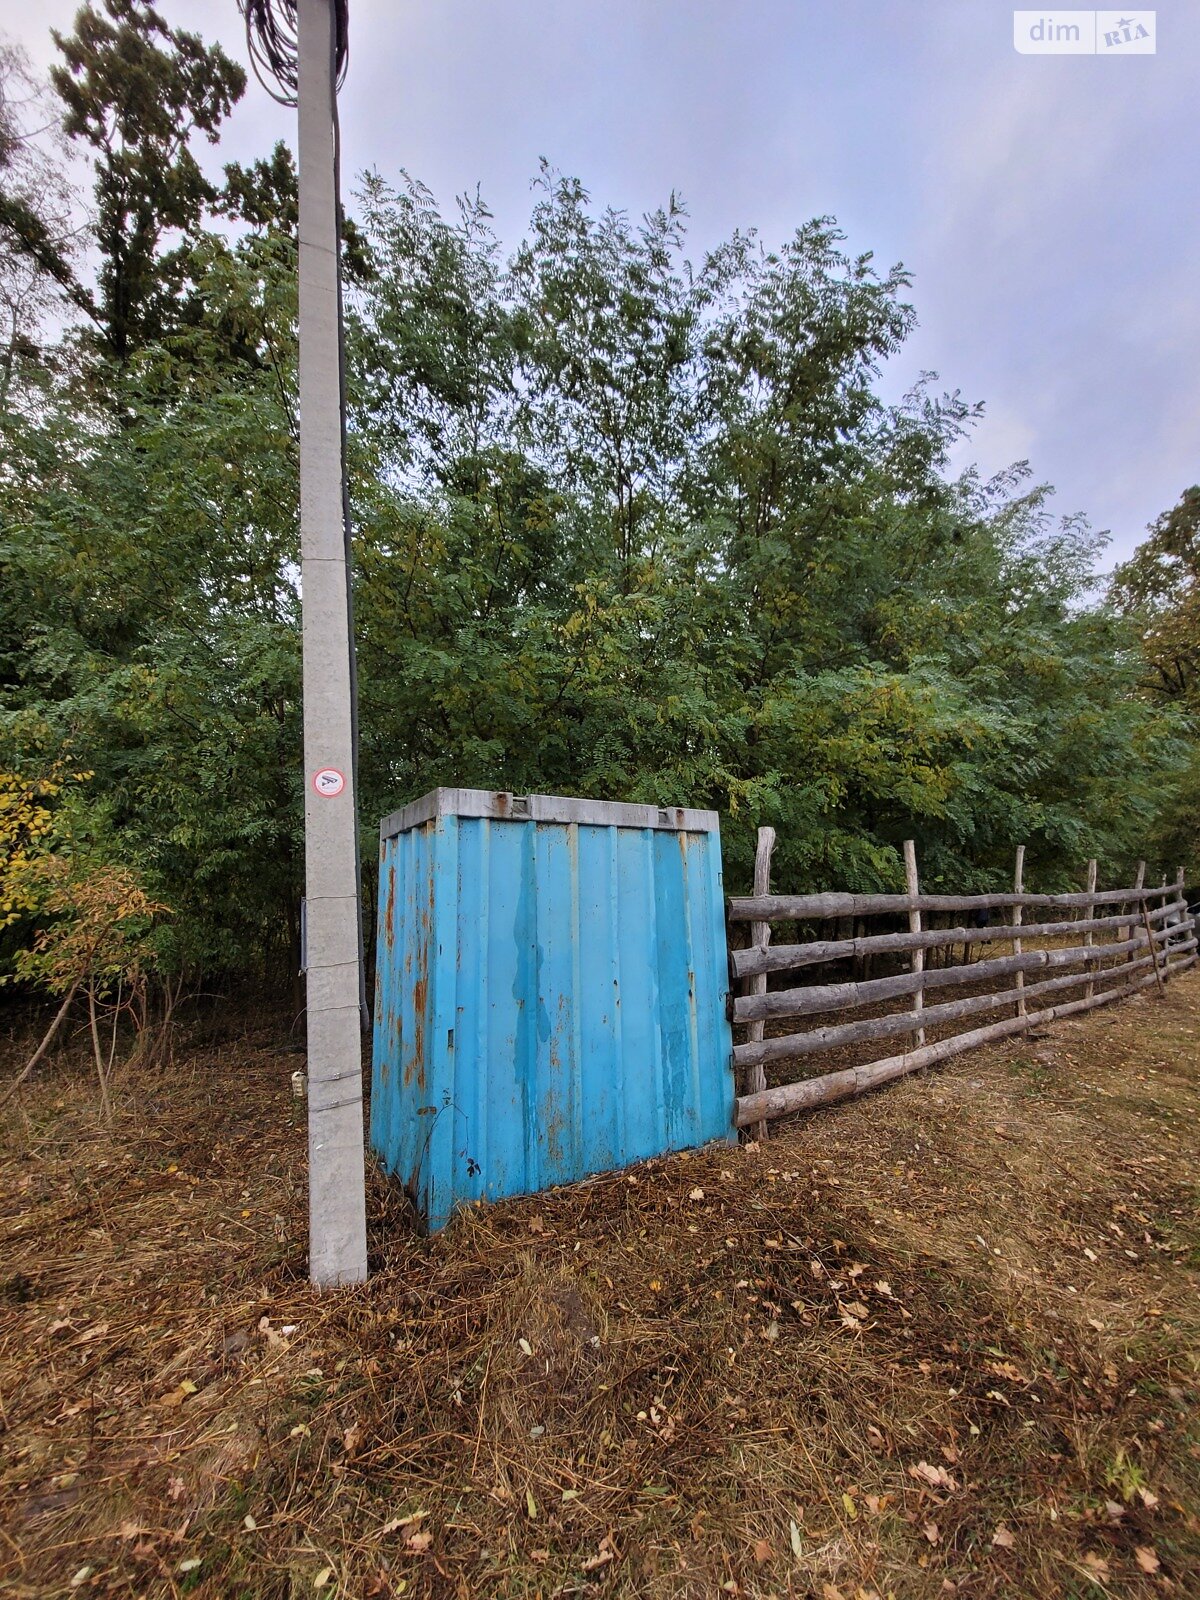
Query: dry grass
(837,1365)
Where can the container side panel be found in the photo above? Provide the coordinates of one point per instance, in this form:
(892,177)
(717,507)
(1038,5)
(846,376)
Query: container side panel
(503,1048)
(676,989)
(419,1072)
(447,1135)
(641,1078)
(468,1042)
(384,1022)
(599,1001)
(535,1019)
(710,962)
(550,1003)
(556,875)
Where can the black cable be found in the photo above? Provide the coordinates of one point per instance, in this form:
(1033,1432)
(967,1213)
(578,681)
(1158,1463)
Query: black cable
(271,40)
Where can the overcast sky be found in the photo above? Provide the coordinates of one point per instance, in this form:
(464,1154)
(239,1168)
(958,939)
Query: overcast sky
(1046,205)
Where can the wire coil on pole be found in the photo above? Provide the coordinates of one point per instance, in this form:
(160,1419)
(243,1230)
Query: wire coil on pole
(271,38)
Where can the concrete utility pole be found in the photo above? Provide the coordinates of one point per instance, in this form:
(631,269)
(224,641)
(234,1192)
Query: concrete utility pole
(336,1178)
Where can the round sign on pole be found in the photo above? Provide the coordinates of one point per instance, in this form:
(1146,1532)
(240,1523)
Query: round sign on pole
(329,782)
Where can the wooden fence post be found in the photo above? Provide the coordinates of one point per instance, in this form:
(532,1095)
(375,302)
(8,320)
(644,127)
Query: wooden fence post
(1019,888)
(1089,912)
(760,934)
(1182,924)
(1139,879)
(1153,949)
(912,884)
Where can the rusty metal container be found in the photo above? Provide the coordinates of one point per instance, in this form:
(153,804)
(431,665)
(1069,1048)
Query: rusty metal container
(551,990)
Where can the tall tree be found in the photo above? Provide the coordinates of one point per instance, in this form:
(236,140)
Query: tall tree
(1160,586)
(37,233)
(136,90)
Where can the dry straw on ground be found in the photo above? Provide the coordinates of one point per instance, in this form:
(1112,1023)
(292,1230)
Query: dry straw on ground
(940,1341)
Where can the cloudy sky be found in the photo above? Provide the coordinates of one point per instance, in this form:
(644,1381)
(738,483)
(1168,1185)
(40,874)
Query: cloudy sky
(1046,205)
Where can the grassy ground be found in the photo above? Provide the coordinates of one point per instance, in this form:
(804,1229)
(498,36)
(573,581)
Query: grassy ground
(943,1341)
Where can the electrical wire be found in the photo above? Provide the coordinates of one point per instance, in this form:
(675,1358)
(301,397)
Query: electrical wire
(271,31)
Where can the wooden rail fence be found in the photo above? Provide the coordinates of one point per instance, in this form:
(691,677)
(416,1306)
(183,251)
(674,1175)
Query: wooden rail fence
(1118,941)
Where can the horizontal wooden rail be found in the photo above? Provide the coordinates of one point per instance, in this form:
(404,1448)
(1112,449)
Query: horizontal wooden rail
(1152,935)
(790,1046)
(833,1086)
(815,998)
(807,907)
(788,957)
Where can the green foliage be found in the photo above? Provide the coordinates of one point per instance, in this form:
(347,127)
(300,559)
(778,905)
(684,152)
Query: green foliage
(1159,590)
(626,525)
(135,90)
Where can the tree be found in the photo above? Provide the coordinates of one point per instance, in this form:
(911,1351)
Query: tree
(36,229)
(136,90)
(1158,588)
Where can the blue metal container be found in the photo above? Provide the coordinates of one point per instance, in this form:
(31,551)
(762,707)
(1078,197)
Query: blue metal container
(551,991)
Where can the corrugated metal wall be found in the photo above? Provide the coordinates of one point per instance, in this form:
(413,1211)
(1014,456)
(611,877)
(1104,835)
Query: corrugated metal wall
(550,993)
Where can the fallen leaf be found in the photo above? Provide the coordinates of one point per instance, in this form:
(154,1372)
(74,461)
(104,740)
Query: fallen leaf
(249,1523)
(696,1194)
(1006,1369)
(797,1542)
(1113,1510)
(82,1576)
(531,1505)
(931,1531)
(1146,1558)
(190,1564)
(855,1308)
(849,1507)
(352,1439)
(176,1488)
(762,1551)
(1096,1564)
(525,1347)
(606,1553)
(321,1579)
(935,1477)
(1002,1539)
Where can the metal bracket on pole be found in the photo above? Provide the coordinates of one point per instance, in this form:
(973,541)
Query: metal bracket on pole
(336,1174)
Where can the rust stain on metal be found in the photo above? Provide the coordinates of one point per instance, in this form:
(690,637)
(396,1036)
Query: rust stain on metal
(414,1066)
(389,913)
(554,1125)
